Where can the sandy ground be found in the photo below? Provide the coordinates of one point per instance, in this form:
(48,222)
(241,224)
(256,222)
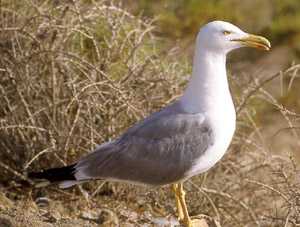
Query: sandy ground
(108,208)
(113,205)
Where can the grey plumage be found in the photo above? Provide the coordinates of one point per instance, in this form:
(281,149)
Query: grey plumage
(159,150)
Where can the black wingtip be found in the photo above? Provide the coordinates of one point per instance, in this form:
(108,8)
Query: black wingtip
(55,174)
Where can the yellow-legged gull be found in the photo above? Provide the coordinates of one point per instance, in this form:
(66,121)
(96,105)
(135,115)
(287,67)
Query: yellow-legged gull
(182,140)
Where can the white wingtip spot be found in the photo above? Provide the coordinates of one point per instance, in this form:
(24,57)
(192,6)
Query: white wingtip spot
(81,175)
(68,183)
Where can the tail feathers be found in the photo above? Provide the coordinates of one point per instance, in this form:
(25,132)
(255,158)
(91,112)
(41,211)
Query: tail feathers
(63,175)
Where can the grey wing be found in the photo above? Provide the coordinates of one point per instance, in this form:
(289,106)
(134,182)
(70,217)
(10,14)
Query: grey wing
(157,151)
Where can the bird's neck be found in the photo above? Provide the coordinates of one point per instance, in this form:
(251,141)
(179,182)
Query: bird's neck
(208,86)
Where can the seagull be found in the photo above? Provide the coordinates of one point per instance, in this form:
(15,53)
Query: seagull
(183,139)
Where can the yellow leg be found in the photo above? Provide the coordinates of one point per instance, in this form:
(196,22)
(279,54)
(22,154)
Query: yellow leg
(186,221)
(178,203)
(183,213)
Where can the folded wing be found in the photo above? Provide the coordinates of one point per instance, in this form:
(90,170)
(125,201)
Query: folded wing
(157,151)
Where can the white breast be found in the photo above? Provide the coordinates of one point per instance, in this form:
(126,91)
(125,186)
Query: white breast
(208,93)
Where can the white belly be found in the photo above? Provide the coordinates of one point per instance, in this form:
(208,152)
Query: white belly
(222,132)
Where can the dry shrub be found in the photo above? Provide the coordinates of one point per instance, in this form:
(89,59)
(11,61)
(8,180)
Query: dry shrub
(73,75)
(76,73)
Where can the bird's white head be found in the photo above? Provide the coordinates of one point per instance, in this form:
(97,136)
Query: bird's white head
(223,36)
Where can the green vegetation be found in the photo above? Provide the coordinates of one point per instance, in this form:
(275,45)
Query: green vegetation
(182,19)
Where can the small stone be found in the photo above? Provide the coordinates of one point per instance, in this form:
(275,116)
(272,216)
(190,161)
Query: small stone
(89,215)
(199,223)
(42,202)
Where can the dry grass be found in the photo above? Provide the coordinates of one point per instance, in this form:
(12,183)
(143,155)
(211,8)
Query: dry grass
(74,74)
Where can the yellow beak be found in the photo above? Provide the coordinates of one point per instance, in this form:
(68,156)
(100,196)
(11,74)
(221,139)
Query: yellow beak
(254,41)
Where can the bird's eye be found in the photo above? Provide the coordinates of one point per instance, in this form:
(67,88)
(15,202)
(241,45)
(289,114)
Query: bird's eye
(225,32)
